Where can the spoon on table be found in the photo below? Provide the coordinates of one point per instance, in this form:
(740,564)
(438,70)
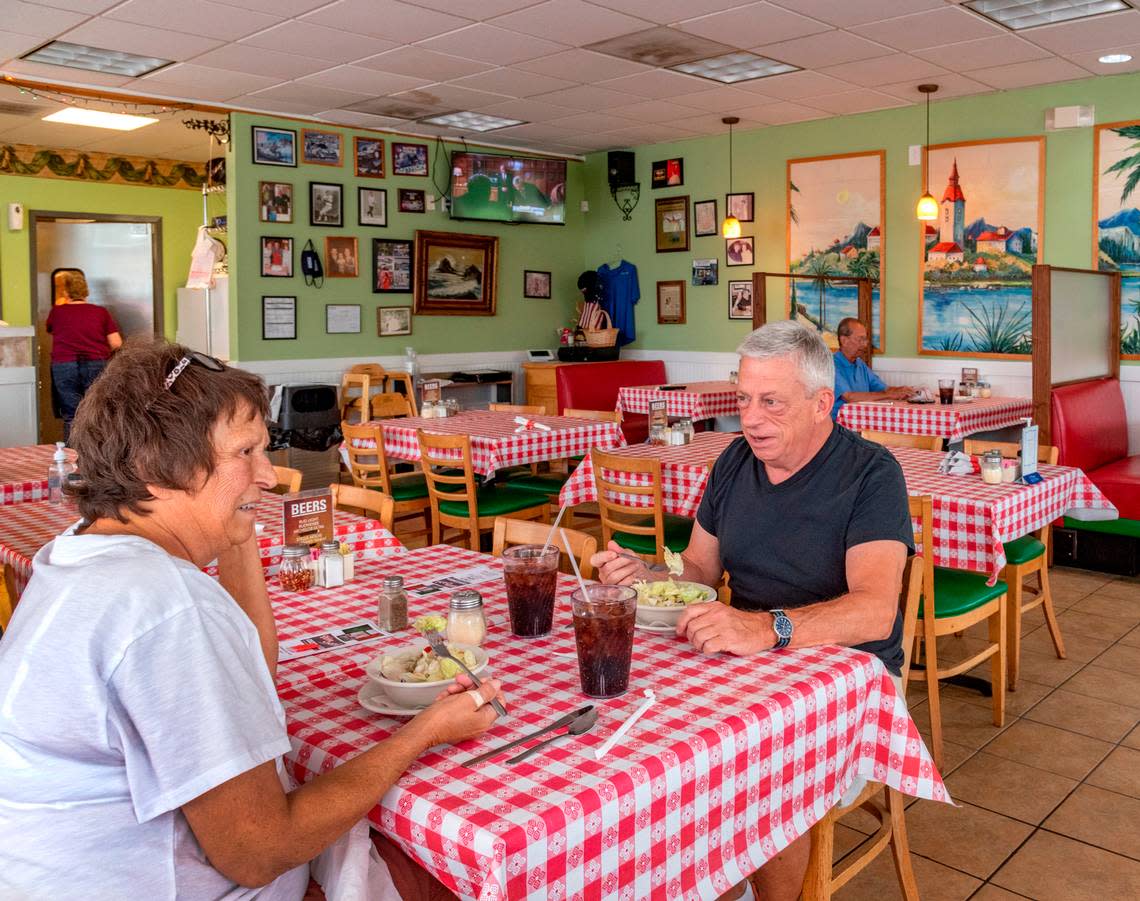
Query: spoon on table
(580,725)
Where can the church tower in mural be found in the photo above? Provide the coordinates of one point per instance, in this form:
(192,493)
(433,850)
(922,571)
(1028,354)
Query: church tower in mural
(953,221)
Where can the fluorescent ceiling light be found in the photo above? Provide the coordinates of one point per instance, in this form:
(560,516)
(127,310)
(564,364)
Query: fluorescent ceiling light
(471,121)
(1112,58)
(1019,14)
(733,67)
(95,59)
(73,115)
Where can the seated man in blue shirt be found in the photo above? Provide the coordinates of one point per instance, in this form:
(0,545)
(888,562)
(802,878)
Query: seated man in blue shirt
(854,380)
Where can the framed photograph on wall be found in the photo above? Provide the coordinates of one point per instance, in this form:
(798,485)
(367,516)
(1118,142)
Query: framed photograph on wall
(536,284)
(368,156)
(340,257)
(740,299)
(411,200)
(275,201)
(276,257)
(409,159)
(668,173)
(704,219)
(326,204)
(342,318)
(393,321)
(274,146)
(671,302)
(706,272)
(739,251)
(322,148)
(391,266)
(278,318)
(372,206)
(742,206)
(456,275)
(671,224)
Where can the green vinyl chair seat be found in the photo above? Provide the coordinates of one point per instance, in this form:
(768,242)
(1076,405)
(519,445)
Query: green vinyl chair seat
(409,488)
(493,500)
(957,592)
(678,531)
(543,483)
(1022,550)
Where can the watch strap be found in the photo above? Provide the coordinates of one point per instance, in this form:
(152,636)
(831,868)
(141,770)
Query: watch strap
(782,626)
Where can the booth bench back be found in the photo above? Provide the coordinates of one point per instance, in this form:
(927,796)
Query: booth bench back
(594,386)
(1089,426)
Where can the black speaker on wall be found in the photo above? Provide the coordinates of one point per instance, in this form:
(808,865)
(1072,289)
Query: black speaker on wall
(621,168)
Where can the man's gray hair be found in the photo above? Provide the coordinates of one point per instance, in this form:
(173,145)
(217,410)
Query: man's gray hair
(789,338)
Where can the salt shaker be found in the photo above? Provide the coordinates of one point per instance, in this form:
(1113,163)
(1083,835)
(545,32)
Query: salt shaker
(466,623)
(392,607)
(331,567)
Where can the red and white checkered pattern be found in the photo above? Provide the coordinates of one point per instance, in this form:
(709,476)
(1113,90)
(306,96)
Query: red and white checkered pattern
(495,444)
(23,472)
(699,400)
(952,421)
(736,759)
(973,519)
(25,528)
(684,474)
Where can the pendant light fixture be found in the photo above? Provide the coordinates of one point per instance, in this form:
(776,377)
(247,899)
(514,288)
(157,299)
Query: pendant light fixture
(927,209)
(730,228)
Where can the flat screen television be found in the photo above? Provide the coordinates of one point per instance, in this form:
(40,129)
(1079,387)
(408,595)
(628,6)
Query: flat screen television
(501,188)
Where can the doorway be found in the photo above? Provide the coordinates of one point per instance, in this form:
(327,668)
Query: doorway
(121,257)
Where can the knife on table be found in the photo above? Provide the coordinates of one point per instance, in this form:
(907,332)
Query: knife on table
(560,723)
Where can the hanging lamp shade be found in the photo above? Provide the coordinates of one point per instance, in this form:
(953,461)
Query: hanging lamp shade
(926,210)
(730,227)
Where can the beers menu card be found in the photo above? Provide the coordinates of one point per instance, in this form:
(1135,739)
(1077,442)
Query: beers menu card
(307,517)
(658,417)
(430,391)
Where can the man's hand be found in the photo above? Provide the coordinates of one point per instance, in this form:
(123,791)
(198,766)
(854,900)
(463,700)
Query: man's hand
(454,717)
(716,628)
(616,566)
(900,392)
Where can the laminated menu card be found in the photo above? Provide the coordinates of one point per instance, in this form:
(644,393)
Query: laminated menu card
(307,516)
(430,391)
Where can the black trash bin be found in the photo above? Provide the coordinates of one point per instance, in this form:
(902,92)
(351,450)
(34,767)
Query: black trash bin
(306,434)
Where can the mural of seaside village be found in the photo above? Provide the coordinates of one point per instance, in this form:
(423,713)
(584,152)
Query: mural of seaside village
(1118,221)
(979,255)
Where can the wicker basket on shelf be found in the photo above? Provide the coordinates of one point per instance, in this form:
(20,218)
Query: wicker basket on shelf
(601,337)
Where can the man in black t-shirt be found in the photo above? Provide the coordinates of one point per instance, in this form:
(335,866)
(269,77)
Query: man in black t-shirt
(811,523)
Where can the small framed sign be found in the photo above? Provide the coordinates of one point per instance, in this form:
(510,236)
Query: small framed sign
(430,391)
(658,415)
(278,318)
(342,318)
(307,516)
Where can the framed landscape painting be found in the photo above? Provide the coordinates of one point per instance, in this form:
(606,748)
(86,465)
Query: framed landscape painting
(978,257)
(456,275)
(1116,220)
(835,212)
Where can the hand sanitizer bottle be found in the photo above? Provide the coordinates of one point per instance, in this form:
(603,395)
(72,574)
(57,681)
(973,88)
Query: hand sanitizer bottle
(61,469)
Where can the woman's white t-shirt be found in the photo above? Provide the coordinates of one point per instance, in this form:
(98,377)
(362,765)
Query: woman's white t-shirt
(130,683)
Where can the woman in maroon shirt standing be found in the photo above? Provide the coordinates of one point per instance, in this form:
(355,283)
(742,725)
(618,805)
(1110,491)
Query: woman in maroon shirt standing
(83,338)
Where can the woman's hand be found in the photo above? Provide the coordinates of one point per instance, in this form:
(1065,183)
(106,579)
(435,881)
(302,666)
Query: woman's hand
(460,712)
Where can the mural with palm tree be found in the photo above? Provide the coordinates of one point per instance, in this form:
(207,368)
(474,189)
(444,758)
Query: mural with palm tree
(1118,218)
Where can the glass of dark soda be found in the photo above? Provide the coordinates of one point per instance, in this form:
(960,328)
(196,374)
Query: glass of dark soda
(530,572)
(603,628)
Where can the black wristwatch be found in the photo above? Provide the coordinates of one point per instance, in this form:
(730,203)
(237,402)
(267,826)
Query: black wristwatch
(783,627)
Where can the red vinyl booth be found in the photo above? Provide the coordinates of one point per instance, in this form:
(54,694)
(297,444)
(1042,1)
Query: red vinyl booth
(594,386)
(1091,432)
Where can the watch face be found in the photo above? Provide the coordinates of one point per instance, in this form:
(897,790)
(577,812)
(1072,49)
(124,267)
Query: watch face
(782,626)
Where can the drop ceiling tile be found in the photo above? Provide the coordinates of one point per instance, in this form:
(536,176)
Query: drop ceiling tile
(308,95)
(452,97)
(1023,75)
(90,7)
(265,105)
(388,19)
(648,134)
(141,39)
(844,13)
(317,41)
(930,29)
(721,99)
(211,84)
(513,82)
(1088,34)
(288,8)
(349,118)
(529,110)
(141,144)
(827,48)
(795,85)
(849,102)
(661,47)
(492,45)
(751,25)
(884,70)
(263,62)
(1090,60)
(65,75)
(36,20)
(978,54)
(950,85)
(426,64)
(657,84)
(535,131)
(582,66)
(782,113)
(593,123)
(477,10)
(362,81)
(712,125)
(574,21)
(588,97)
(654,112)
(202,17)
(12,44)
(667,12)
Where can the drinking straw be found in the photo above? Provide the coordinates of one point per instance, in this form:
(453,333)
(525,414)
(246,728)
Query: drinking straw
(607,746)
(574,565)
(550,534)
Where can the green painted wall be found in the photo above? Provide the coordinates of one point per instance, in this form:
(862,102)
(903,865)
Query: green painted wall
(180,209)
(519,323)
(760,166)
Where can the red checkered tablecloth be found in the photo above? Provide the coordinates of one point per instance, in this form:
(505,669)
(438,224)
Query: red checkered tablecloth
(952,421)
(23,472)
(736,758)
(25,528)
(494,442)
(684,474)
(973,519)
(698,400)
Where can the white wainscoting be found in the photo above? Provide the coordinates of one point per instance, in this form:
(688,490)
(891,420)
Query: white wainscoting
(17,406)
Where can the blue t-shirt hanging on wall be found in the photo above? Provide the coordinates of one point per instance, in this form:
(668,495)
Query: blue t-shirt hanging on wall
(619,294)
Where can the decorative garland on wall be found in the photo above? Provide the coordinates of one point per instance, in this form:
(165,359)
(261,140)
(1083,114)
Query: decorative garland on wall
(25,159)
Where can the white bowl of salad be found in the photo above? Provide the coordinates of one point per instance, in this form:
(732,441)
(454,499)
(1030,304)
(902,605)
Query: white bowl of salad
(662,603)
(415,676)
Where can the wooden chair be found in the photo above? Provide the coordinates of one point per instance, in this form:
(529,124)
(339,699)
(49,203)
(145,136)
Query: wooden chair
(822,880)
(1023,557)
(288,480)
(599,415)
(390,405)
(521,409)
(952,601)
(897,439)
(370,503)
(403,379)
(354,403)
(643,530)
(8,596)
(370,470)
(509,532)
(457,502)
